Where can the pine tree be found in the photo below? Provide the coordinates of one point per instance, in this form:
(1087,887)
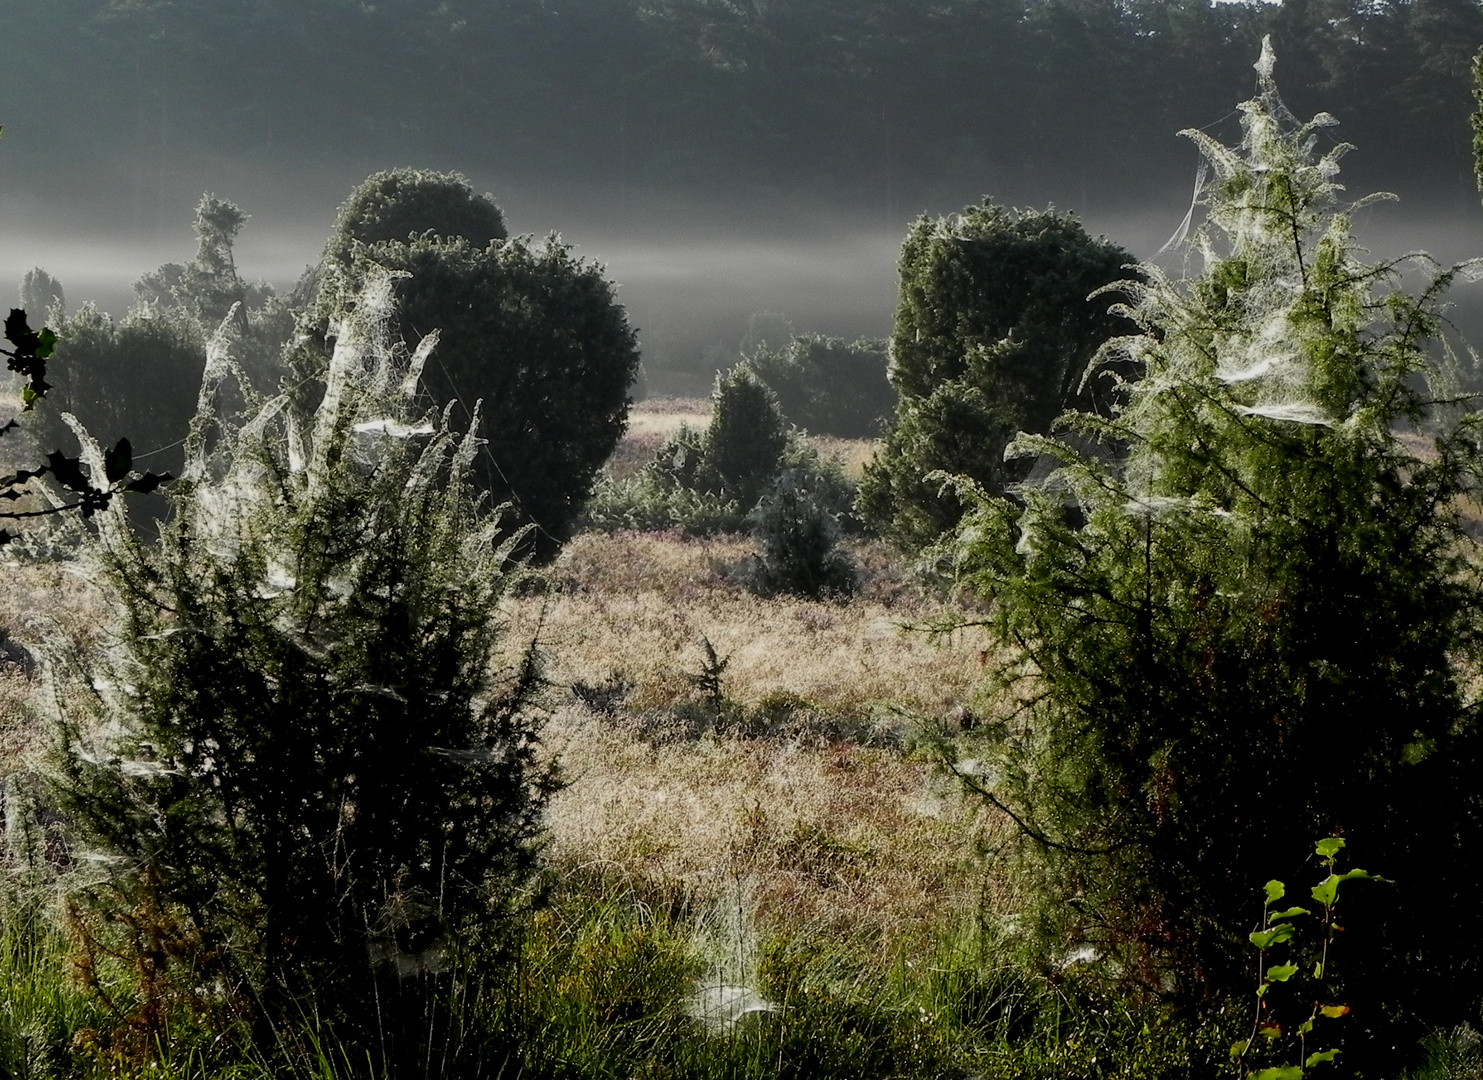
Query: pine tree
(1255,627)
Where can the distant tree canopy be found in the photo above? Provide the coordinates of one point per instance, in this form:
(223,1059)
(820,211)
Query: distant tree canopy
(527,329)
(828,386)
(399,204)
(40,292)
(141,375)
(892,104)
(994,330)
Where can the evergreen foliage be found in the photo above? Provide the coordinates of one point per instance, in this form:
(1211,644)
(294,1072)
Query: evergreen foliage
(798,538)
(529,330)
(402,204)
(828,386)
(300,771)
(1478,119)
(40,293)
(704,482)
(993,334)
(138,376)
(745,440)
(1260,626)
(141,374)
(207,287)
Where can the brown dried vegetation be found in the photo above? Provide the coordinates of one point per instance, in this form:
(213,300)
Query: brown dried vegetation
(802,791)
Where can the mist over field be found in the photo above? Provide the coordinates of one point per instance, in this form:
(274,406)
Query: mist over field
(690,276)
(721,160)
(819,655)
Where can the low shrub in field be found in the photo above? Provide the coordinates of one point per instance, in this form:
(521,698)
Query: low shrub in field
(682,487)
(798,538)
(646,503)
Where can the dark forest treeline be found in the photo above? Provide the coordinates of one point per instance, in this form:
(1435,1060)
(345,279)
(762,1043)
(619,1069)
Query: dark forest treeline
(873,102)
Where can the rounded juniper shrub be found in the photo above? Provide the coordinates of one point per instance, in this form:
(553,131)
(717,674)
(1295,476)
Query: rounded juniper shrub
(400,204)
(745,440)
(799,544)
(527,329)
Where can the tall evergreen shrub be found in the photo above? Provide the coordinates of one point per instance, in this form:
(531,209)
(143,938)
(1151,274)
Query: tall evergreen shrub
(138,376)
(1262,625)
(528,329)
(403,204)
(745,439)
(993,333)
(301,766)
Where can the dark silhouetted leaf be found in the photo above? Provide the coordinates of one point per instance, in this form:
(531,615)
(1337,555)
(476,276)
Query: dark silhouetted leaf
(119,461)
(68,471)
(148,482)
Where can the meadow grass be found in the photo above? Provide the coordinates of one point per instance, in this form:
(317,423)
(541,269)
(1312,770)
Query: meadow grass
(788,842)
(651,422)
(638,607)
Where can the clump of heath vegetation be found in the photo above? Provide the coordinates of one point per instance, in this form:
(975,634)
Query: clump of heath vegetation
(799,544)
(298,777)
(139,377)
(704,482)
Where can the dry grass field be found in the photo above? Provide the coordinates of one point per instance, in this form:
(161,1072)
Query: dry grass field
(801,795)
(793,797)
(639,606)
(655,419)
(649,424)
(815,826)
(817,812)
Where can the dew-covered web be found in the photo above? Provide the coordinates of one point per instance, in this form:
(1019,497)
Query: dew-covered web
(1267,232)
